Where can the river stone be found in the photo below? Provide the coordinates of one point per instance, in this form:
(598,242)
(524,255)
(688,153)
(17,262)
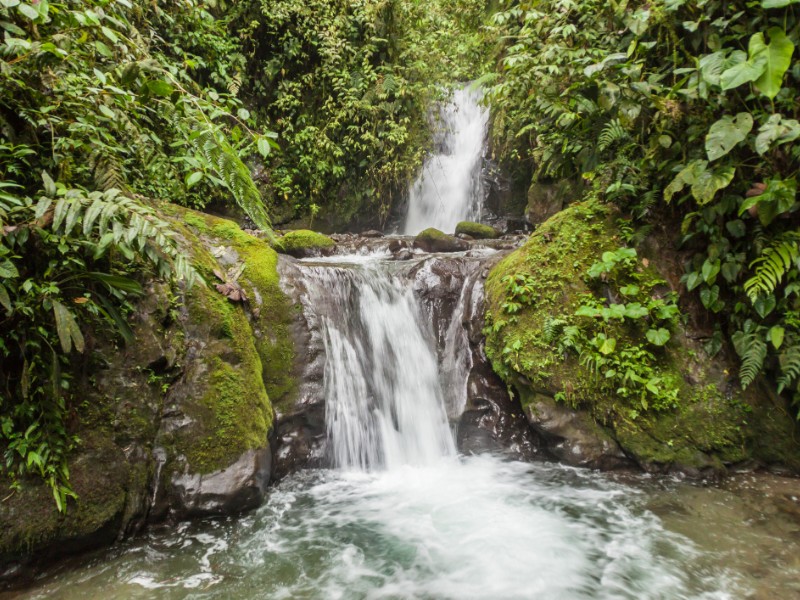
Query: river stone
(236,488)
(476,230)
(572,436)
(433,240)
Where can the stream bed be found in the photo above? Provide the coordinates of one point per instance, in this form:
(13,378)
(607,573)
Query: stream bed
(476,527)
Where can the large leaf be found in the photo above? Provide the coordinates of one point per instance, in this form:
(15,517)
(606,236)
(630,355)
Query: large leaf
(777,198)
(726,134)
(704,183)
(778,58)
(69,333)
(778,3)
(745,68)
(776,131)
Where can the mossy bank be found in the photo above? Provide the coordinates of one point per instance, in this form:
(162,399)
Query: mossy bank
(590,335)
(176,424)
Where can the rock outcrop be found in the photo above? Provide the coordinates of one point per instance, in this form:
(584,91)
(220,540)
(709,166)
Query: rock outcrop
(176,424)
(592,405)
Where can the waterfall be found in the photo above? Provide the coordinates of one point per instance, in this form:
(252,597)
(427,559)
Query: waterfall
(449,187)
(384,401)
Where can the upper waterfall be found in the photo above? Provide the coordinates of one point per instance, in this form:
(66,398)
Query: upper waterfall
(449,187)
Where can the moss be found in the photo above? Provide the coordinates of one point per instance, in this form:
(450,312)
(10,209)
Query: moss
(301,240)
(29,519)
(704,428)
(273,311)
(432,234)
(476,230)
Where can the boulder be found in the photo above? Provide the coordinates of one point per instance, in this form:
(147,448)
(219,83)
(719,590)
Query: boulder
(476,230)
(433,240)
(704,424)
(303,243)
(547,199)
(176,424)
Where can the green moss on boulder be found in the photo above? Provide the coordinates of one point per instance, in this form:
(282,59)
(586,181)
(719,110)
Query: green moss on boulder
(477,230)
(433,240)
(712,423)
(303,242)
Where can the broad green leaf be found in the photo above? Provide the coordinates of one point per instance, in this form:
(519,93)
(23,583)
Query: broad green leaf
(243,113)
(49,184)
(635,311)
(608,346)
(658,337)
(776,131)
(726,134)
(687,176)
(69,333)
(103,50)
(778,198)
(159,87)
(776,334)
(8,269)
(709,183)
(745,68)
(778,58)
(778,3)
(193,178)
(263,146)
(27,10)
(5,300)
(107,111)
(764,305)
(710,270)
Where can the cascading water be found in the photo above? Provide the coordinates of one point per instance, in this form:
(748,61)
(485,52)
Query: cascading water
(449,187)
(405,518)
(384,403)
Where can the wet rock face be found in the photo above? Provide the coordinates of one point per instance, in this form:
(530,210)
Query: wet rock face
(235,488)
(572,436)
(449,289)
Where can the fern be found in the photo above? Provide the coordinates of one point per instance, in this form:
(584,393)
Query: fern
(111,219)
(612,133)
(752,349)
(790,367)
(776,260)
(230,169)
(552,329)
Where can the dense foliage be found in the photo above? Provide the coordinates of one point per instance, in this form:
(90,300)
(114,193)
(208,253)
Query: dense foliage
(108,108)
(685,112)
(348,85)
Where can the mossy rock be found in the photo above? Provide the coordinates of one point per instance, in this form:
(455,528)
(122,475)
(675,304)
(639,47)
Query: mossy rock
(303,242)
(433,240)
(477,230)
(713,423)
(193,394)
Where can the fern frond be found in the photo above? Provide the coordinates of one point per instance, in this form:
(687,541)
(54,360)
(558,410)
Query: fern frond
(752,349)
(230,169)
(612,133)
(790,367)
(552,328)
(776,260)
(109,218)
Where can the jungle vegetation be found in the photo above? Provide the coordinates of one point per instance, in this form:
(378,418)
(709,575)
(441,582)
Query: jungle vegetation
(677,111)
